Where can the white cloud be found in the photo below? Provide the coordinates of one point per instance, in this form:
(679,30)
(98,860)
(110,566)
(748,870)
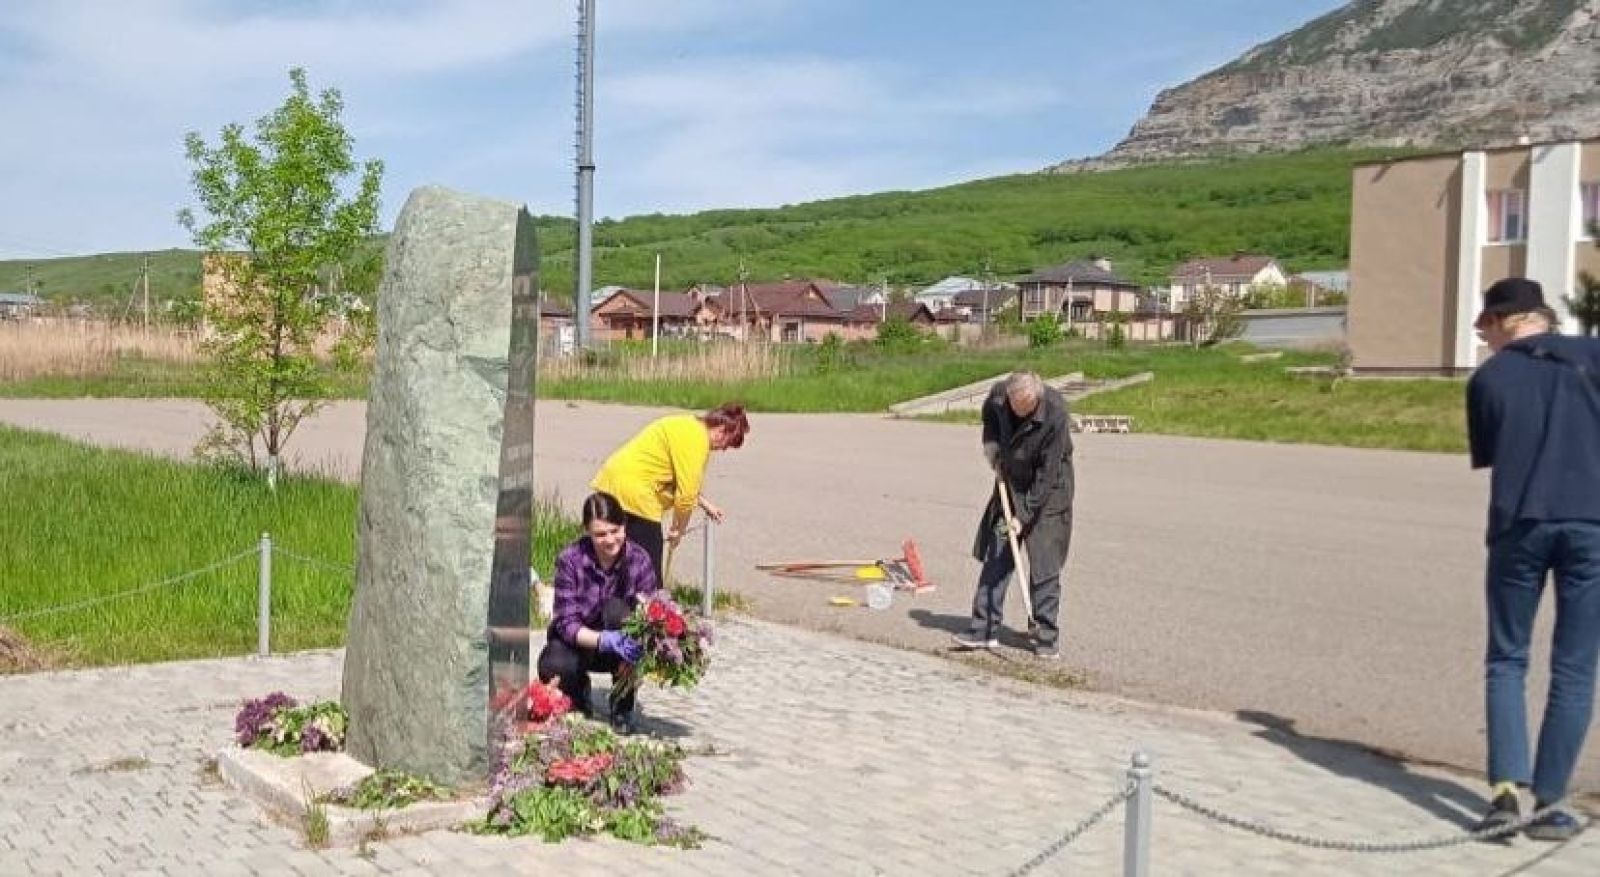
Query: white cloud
(101,94)
(203,46)
(775,129)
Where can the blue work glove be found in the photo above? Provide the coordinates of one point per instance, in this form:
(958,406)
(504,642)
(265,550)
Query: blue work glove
(617,643)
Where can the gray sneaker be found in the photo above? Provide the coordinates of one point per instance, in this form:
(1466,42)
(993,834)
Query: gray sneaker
(967,642)
(1556,825)
(1047,651)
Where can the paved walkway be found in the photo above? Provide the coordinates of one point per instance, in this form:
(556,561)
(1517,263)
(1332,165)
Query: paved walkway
(834,757)
(1338,588)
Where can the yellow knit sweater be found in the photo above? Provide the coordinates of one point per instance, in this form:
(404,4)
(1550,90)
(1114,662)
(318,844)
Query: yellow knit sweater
(658,469)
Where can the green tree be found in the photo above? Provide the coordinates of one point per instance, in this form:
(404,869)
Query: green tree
(1214,315)
(1585,306)
(277,219)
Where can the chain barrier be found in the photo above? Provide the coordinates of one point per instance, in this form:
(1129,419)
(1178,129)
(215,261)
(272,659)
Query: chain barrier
(175,580)
(132,592)
(1349,846)
(1073,833)
(278,550)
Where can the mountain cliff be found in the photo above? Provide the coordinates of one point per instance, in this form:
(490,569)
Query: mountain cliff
(1389,73)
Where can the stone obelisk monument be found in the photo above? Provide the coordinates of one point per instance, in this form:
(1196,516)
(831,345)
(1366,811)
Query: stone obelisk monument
(437,646)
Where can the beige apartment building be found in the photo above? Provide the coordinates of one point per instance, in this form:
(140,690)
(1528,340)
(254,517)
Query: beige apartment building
(1428,233)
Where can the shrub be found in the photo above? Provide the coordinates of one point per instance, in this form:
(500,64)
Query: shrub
(1044,331)
(898,333)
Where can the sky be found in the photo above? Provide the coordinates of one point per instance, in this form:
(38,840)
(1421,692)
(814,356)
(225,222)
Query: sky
(698,103)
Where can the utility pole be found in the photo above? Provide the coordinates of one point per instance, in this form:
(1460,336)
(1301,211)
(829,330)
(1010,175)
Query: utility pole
(655,313)
(28,284)
(988,278)
(584,275)
(144,280)
(744,304)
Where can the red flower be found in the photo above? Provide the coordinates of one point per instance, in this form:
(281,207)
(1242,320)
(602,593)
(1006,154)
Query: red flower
(675,626)
(546,702)
(578,771)
(655,612)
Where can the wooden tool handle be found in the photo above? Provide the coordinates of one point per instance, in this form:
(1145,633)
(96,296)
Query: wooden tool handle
(1020,560)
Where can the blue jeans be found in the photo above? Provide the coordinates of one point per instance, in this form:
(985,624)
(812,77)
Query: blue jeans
(1518,563)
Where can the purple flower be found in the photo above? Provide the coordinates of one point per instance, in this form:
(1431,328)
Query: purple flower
(255,718)
(627,794)
(671,652)
(312,739)
(671,833)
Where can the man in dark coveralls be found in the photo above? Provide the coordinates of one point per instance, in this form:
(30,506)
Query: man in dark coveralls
(1027,441)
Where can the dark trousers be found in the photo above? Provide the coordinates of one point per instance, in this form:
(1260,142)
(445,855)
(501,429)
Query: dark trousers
(572,666)
(989,598)
(647,535)
(1519,561)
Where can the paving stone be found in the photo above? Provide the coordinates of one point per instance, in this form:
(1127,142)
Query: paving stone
(835,757)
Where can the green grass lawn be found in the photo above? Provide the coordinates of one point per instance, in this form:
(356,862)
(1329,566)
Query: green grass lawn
(1261,402)
(1197,392)
(84,523)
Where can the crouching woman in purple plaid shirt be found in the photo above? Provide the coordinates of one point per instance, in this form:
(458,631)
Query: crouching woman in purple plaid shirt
(599,579)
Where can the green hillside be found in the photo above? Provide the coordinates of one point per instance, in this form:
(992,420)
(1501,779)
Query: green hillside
(1295,206)
(107,280)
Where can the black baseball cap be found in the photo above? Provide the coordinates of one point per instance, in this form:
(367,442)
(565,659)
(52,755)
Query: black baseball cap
(1513,295)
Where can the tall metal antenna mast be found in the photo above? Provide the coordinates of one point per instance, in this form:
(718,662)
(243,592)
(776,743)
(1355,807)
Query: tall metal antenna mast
(584,263)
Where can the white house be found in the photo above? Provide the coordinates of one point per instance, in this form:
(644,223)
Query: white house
(1236,275)
(941,295)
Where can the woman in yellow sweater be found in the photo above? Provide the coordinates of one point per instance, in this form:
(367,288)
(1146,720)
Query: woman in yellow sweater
(662,467)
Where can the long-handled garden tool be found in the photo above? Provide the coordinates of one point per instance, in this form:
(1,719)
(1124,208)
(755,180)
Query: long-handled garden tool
(1024,580)
(904,572)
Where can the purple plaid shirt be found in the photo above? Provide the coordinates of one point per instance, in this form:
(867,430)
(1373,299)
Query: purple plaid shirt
(582,587)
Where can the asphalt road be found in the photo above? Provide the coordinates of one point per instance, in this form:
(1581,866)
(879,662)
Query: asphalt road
(1335,588)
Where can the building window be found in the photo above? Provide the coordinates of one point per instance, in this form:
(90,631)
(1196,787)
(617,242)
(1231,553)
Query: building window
(1034,300)
(1589,195)
(1508,216)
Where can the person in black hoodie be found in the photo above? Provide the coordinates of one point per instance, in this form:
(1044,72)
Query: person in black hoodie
(1533,418)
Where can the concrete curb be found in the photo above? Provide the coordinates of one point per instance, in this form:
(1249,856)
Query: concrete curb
(282,786)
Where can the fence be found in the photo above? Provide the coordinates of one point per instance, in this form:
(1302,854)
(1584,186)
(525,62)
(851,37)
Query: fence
(1140,790)
(265,551)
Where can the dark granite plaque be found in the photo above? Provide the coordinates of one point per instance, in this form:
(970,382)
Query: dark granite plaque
(513,523)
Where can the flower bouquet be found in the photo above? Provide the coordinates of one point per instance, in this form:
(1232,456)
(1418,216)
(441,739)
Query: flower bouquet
(675,647)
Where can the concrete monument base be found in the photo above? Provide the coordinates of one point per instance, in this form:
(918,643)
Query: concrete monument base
(287,787)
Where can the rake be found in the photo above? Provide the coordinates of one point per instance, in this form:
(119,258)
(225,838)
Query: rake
(906,572)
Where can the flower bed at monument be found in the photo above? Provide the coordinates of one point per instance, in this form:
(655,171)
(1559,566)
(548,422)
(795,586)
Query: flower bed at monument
(571,776)
(278,724)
